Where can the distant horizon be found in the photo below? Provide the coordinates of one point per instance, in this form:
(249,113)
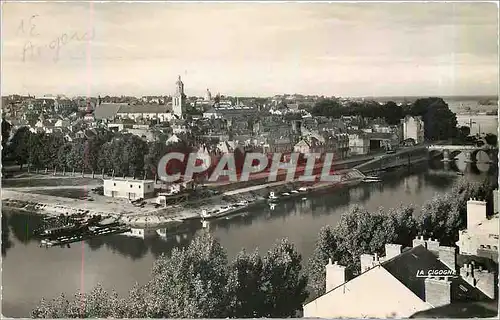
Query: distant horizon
(457,97)
(251,49)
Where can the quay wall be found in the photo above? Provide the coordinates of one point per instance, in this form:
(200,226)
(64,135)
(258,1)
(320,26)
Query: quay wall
(19,201)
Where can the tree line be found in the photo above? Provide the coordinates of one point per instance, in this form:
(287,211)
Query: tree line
(360,231)
(440,122)
(100,151)
(199,282)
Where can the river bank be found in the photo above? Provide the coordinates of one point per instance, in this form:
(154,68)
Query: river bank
(150,215)
(146,216)
(119,261)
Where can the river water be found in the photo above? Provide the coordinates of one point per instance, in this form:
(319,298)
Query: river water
(30,272)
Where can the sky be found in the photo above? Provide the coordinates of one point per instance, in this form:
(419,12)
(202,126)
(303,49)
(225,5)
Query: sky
(250,49)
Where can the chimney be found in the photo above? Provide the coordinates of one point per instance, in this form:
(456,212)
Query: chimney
(366,262)
(335,275)
(419,240)
(476,212)
(438,291)
(448,256)
(392,250)
(433,245)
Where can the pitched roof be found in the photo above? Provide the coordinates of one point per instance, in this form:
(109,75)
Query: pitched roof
(143,108)
(405,266)
(461,310)
(107,110)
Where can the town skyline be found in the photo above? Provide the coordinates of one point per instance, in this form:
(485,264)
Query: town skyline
(383,51)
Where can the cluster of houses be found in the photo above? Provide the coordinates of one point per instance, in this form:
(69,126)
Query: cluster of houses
(227,123)
(426,280)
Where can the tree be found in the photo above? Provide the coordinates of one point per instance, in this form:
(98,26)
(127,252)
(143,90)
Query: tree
(6,128)
(358,232)
(156,150)
(284,285)
(327,247)
(244,286)
(440,123)
(391,112)
(191,283)
(491,139)
(134,150)
(440,219)
(62,155)
(20,145)
(76,155)
(464,131)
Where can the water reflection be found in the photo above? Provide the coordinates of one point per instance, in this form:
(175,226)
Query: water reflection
(137,243)
(119,261)
(6,242)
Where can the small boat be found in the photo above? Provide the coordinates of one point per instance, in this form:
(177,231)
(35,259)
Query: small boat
(285,194)
(294,191)
(303,189)
(460,173)
(304,199)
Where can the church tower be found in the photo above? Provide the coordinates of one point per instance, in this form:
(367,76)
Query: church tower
(178,100)
(208,96)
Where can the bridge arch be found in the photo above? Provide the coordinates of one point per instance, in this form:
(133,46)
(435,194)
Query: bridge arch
(435,153)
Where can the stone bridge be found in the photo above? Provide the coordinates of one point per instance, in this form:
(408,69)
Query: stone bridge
(450,152)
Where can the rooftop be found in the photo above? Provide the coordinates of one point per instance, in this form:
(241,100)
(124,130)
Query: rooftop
(405,266)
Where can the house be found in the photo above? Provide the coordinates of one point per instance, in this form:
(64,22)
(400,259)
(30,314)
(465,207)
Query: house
(227,111)
(401,284)
(129,189)
(145,134)
(413,127)
(173,139)
(146,111)
(281,144)
(358,143)
(179,127)
(343,149)
(61,123)
(107,111)
(89,117)
(42,125)
(482,234)
(302,147)
(228,147)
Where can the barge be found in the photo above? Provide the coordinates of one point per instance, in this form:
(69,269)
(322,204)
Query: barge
(75,229)
(225,210)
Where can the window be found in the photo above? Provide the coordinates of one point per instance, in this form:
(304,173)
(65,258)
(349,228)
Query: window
(114,184)
(139,187)
(149,186)
(130,186)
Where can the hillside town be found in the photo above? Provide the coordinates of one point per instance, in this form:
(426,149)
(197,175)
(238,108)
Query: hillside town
(227,161)
(216,123)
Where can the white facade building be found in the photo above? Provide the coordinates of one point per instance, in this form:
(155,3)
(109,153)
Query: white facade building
(482,234)
(129,189)
(358,144)
(413,128)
